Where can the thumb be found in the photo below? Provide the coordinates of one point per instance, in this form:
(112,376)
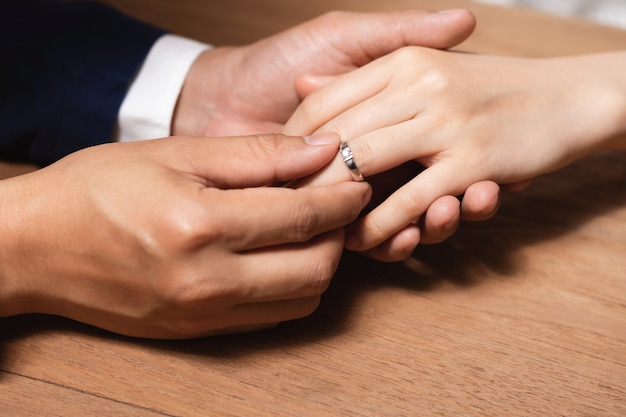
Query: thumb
(308,83)
(250,161)
(373,35)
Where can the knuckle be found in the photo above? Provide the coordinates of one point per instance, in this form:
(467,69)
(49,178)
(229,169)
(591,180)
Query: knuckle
(408,207)
(434,76)
(406,54)
(180,230)
(313,109)
(262,147)
(374,232)
(182,296)
(177,237)
(341,126)
(408,58)
(323,273)
(321,268)
(437,80)
(412,205)
(305,223)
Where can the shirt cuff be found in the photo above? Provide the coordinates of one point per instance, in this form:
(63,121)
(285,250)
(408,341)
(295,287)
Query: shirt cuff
(147,109)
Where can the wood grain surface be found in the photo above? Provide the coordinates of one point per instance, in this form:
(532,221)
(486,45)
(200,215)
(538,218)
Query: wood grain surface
(523,315)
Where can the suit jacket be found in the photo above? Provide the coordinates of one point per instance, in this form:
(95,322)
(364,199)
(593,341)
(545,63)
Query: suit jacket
(66,67)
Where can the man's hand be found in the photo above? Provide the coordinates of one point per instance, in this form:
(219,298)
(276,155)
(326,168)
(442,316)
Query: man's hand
(252,89)
(175,238)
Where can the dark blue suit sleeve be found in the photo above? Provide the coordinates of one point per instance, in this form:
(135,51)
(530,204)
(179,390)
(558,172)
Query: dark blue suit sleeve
(65,69)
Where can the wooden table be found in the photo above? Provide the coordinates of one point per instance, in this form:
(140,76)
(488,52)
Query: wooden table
(524,315)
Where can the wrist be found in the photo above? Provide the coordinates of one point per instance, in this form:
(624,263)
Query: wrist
(14,287)
(591,102)
(610,97)
(146,111)
(203,93)
(616,139)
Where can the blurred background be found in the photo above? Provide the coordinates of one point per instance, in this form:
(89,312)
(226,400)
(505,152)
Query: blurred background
(606,12)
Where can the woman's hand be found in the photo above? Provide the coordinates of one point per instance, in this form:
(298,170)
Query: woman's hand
(467,119)
(252,89)
(177,237)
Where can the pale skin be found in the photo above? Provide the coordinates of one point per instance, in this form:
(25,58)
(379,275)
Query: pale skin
(466,118)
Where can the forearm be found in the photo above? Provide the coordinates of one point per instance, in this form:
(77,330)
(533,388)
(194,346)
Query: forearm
(32,275)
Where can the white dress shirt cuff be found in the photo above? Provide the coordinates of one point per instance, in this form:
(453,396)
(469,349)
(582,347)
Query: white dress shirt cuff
(147,109)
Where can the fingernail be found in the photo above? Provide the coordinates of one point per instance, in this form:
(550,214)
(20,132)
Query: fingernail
(322,138)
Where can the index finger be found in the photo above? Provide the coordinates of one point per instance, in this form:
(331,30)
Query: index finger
(258,217)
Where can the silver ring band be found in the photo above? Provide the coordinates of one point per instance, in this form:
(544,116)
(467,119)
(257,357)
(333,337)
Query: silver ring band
(348,158)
